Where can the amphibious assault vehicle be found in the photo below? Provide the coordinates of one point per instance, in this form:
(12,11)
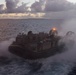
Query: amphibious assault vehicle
(36,46)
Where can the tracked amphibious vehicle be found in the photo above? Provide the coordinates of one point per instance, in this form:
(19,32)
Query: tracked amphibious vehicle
(36,46)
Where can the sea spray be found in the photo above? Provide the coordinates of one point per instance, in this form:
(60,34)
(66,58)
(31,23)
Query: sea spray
(4,47)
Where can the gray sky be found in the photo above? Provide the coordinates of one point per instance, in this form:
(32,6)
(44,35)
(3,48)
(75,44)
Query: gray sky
(38,8)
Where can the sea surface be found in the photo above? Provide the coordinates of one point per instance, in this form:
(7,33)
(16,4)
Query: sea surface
(59,64)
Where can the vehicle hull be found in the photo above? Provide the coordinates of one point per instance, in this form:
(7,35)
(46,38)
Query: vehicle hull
(30,54)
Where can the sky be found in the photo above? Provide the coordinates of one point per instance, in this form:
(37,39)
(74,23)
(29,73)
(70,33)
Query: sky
(38,8)
(32,1)
(73,1)
(26,1)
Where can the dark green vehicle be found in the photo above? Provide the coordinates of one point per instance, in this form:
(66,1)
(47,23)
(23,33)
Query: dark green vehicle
(36,46)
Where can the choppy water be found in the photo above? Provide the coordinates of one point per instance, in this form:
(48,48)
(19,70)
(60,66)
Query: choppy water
(55,65)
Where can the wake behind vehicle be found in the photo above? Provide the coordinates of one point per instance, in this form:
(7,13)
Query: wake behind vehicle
(36,46)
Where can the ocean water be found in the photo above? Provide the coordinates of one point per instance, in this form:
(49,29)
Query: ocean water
(59,64)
